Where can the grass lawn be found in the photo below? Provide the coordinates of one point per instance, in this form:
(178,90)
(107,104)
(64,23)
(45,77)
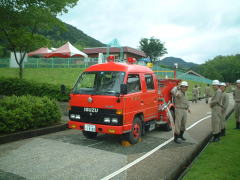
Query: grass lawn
(53,76)
(219,161)
(66,76)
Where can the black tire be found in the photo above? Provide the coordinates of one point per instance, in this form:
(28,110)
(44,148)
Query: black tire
(136,132)
(167,126)
(90,135)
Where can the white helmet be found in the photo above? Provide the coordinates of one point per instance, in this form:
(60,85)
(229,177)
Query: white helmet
(216,82)
(184,83)
(238,81)
(223,84)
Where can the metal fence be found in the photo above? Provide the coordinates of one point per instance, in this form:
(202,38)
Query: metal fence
(86,62)
(169,73)
(4,62)
(54,62)
(60,62)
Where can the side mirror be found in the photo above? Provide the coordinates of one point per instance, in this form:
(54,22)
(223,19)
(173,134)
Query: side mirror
(123,89)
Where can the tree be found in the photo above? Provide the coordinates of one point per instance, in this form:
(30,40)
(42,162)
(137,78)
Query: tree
(153,48)
(21,20)
(223,68)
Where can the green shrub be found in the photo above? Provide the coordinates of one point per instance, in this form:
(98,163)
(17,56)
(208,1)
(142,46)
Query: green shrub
(27,112)
(14,86)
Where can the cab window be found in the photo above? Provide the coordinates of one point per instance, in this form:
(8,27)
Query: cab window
(133,83)
(149,81)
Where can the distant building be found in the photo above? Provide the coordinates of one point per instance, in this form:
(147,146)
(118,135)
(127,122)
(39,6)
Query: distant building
(115,51)
(191,72)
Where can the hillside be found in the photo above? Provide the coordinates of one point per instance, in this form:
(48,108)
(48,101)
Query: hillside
(223,68)
(73,35)
(170,61)
(59,36)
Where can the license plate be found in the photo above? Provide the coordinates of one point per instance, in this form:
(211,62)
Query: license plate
(90,127)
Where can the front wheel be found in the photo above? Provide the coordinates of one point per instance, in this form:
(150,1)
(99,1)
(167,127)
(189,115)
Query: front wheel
(90,135)
(136,132)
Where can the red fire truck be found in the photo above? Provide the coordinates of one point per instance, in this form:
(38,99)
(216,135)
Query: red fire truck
(120,98)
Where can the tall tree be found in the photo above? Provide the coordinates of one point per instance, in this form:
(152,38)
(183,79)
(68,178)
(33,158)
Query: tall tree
(153,48)
(223,68)
(21,20)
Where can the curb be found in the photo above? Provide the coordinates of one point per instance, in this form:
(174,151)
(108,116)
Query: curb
(31,133)
(182,169)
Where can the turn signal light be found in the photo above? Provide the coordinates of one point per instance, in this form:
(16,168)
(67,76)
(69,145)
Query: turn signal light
(73,126)
(119,111)
(111,131)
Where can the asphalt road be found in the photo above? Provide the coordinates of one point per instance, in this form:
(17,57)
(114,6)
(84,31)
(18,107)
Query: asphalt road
(69,155)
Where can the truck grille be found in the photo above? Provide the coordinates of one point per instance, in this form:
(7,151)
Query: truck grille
(95,115)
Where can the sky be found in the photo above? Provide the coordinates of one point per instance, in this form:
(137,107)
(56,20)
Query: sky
(194,30)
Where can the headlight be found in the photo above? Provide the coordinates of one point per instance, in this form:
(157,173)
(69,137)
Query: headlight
(72,116)
(106,120)
(114,120)
(78,116)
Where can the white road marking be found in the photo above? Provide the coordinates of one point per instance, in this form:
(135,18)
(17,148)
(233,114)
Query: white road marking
(209,113)
(148,153)
(194,124)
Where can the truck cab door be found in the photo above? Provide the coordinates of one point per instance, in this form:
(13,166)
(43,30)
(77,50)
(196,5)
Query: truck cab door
(133,98)
(150,97)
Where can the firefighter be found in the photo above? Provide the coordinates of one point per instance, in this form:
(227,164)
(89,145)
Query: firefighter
(207,93)
(216,108)
(236,97)
(224,103)
(182,106)
(195,94)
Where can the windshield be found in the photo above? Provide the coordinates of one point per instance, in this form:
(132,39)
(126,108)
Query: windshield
(99,83)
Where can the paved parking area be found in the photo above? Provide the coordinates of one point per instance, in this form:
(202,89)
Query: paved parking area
(69,155)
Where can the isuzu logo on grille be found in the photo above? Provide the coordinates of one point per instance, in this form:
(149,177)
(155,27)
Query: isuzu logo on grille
(94,110)
(90,99)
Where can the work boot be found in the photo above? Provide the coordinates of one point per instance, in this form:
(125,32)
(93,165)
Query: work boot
(176,139)
(215,138)
(181,136)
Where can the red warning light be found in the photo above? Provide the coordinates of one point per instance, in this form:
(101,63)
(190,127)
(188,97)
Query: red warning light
(131,60)
(110,59)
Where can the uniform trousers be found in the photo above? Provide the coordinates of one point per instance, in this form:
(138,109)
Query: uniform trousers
(237,111)
(180,120)
(216,119)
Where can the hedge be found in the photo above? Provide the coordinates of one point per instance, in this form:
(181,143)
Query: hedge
(14,86)
(27,112)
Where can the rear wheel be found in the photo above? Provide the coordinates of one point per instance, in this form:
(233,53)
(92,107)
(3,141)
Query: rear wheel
(90,135)
(136,132)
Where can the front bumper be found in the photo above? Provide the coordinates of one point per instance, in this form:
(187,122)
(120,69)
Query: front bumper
(106,129)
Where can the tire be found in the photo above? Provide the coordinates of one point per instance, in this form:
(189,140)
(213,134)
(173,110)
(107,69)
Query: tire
(167,126)
(136,132)
(90,135)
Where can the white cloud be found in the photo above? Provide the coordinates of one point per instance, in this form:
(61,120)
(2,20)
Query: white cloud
(193,30)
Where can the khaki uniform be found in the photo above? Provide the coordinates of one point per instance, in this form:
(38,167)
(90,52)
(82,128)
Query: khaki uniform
(216,107)
(236,97)
(194,94)
(224,103)
(181,105)
(207,93)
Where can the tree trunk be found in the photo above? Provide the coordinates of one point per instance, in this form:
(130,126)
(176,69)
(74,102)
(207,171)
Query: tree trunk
(21,71)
